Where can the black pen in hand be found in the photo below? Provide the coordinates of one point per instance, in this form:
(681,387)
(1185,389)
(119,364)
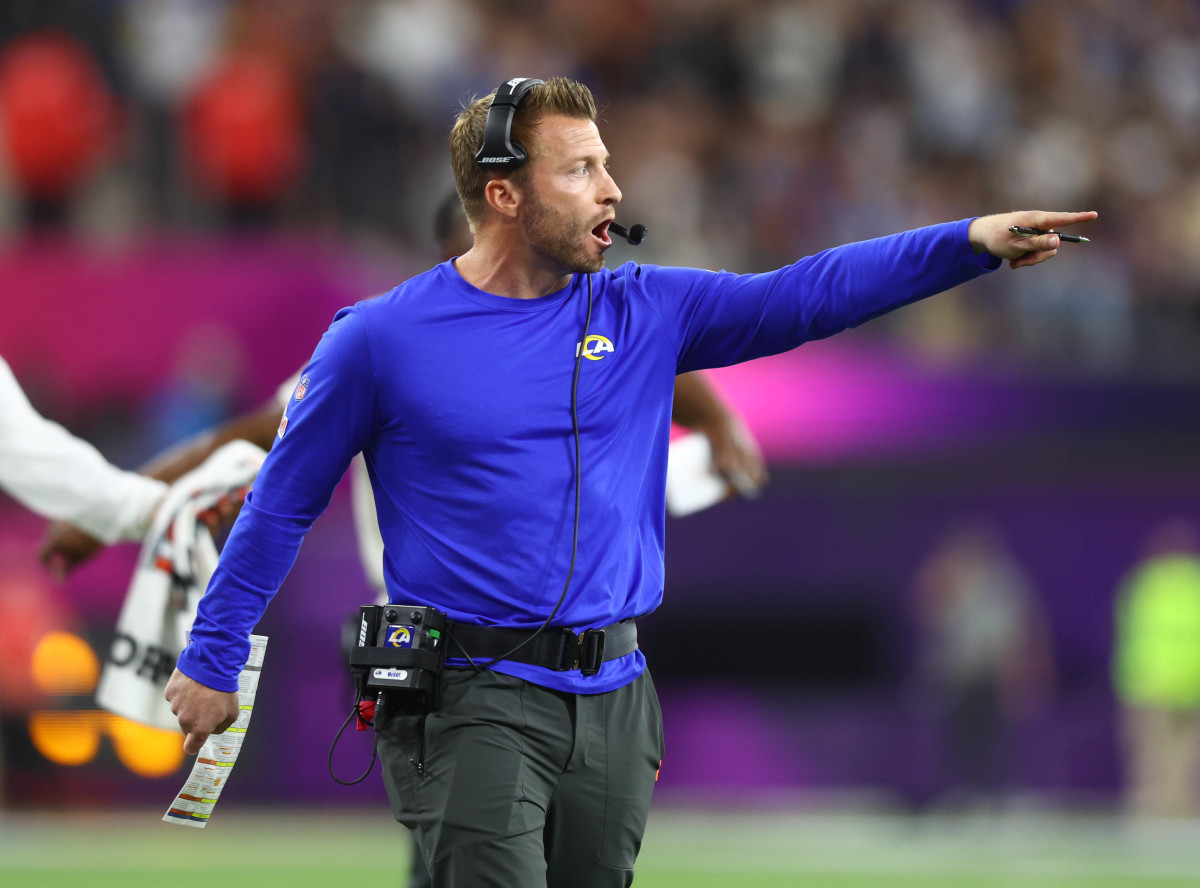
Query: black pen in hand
(1022,231)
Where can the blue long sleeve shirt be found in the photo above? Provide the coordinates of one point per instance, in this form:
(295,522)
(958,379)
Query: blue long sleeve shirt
(460,401)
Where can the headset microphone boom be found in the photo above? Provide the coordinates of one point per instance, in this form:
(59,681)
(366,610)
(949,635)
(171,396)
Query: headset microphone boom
(634,234)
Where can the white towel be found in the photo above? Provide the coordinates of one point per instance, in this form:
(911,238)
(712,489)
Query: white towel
(176,562)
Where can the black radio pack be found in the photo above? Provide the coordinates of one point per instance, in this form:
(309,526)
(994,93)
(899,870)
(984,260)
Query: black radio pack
(400,649)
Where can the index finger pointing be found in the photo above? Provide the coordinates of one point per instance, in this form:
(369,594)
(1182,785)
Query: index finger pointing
(1057,220)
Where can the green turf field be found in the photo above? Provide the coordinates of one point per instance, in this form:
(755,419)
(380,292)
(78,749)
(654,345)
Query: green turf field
(319,847)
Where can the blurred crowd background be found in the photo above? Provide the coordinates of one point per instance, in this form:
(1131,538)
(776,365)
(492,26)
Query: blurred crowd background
(190,188)
(745,133)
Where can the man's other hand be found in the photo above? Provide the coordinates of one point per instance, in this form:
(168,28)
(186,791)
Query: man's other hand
(200,709)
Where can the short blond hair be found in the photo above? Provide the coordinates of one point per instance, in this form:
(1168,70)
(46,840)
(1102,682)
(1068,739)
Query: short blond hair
(558,95)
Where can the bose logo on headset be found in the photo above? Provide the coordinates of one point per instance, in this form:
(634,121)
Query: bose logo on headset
(498,148)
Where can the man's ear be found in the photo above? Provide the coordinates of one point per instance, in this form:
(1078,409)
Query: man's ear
(503,196)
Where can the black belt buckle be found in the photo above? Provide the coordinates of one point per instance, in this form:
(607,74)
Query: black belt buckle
(584,652)
(591,654)
(568,658)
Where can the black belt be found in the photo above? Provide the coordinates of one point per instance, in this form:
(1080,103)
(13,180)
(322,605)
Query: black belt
(556,648)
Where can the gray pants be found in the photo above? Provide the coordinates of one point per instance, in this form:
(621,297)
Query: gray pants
(522,785)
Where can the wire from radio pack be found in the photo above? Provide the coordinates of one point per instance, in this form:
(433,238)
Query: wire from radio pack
(356,711)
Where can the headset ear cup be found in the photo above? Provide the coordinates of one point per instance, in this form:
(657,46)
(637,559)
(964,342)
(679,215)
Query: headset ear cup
(499,151)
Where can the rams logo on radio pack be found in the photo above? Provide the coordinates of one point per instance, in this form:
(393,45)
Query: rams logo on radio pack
(595,347)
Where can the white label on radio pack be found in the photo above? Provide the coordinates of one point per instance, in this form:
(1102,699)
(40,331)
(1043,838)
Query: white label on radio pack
(394,674)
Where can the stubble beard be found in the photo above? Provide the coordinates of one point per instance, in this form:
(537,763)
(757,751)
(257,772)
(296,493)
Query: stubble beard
(559,238)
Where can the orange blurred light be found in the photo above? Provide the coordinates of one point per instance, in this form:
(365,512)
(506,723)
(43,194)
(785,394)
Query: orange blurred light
(64,664)
(147,751)
(66,738)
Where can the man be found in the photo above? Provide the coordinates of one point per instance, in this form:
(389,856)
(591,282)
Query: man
(53,473)
(696,406)
(513,408)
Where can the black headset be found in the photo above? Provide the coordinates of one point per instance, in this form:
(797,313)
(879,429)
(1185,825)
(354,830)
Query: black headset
(499,151)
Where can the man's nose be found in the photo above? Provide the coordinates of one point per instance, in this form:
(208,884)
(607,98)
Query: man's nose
(612,194)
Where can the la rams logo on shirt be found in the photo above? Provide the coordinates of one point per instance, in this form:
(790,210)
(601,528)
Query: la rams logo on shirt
(595,347)
(400,637)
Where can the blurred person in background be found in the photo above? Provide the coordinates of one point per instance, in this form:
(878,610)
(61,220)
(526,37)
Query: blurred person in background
(57,121)
(457,387)
(1156,673)
(852,118)
(986,657)
(244,137)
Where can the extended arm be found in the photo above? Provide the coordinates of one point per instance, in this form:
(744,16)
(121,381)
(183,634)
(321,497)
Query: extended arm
(65,546)
(721,318)
(257,427)
(57,475)
(735,452)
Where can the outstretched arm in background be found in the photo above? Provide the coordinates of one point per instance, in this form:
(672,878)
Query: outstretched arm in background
(735,452)
(53,473)
(66,546)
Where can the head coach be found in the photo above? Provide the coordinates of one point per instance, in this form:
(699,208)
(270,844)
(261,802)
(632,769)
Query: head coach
(514,406)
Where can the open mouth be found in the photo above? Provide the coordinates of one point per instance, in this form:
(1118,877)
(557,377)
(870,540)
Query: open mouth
(600,233)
